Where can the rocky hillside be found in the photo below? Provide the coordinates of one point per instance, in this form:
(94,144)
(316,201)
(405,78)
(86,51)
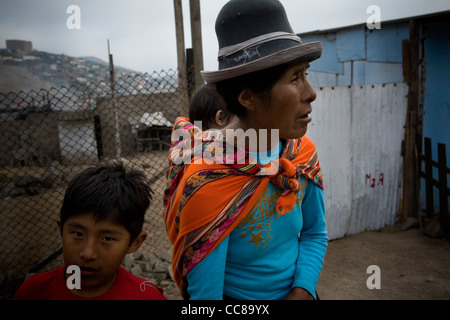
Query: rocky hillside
(42,70)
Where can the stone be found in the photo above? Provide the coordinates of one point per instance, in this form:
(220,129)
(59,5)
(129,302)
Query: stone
(157,276)
(128,261)
(8,191)
(137,270)
(152,267)
(160,266)
(434,228)
(30,184)
(147,266)
(165,256)
(410,223)
(170,272)
(151,258)
(137,255)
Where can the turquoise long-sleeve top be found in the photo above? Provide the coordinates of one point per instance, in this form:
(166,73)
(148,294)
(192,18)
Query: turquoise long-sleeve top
(267,254)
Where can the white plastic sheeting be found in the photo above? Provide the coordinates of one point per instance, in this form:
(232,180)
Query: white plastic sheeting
(358,133)
(155,119)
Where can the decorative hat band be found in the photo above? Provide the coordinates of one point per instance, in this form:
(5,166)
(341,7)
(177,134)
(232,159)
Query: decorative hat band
(228,51)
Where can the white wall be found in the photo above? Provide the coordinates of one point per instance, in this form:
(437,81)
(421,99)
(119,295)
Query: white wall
(358,132)
(77,142)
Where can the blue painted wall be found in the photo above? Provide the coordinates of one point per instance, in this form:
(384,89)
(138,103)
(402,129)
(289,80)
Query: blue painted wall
(385,44)
(328,63)
(359,56)
(351,44)
(437,94)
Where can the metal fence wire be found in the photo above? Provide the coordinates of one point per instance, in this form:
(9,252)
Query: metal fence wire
(47,137)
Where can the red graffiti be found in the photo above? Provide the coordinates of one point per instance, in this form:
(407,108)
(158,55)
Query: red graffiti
(373,182)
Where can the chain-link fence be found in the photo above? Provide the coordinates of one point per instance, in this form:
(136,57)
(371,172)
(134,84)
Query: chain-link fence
(49,136)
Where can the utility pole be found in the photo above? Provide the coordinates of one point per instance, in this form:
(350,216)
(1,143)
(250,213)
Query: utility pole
(197,46)
(182,73)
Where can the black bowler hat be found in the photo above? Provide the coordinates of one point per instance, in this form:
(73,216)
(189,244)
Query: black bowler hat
(254,35)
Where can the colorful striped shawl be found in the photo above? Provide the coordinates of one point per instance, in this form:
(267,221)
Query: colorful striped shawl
(204,202)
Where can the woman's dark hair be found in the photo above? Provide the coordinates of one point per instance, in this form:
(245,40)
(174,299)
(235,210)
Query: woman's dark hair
(109,192)
(204,105)
(259,82)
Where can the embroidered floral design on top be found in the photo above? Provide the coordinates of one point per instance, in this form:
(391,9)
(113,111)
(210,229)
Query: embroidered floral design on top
(257,223)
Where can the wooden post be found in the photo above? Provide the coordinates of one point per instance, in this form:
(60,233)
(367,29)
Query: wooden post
(429,178)
(182,73)
(116,111)
(190,71)
(197,46)
(410,200)
(443,190)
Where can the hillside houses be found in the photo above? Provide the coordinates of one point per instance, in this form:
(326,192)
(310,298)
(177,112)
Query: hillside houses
(58,69)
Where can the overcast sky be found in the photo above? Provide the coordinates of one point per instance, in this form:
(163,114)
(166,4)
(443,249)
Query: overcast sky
(142,32)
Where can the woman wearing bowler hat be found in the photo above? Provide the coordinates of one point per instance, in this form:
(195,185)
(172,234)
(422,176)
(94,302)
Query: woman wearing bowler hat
(240,229)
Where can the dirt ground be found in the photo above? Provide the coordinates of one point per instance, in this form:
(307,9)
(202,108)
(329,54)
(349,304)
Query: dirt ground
(412,267)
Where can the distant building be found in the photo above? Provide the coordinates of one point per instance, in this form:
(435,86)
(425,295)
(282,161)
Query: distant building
(19,47)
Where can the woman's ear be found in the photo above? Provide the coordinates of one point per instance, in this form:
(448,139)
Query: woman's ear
(247,99)
(135,245)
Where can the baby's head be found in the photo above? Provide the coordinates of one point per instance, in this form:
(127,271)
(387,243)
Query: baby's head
(208,106)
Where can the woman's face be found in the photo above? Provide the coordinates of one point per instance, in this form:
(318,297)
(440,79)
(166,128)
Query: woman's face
(288,106)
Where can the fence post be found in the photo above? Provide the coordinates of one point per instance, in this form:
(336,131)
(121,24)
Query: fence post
(443,193)
(182,73)
(410,201)
(116,111)
(429,178)
(196,32)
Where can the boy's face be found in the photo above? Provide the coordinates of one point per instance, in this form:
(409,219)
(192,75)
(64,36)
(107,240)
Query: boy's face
(98,248)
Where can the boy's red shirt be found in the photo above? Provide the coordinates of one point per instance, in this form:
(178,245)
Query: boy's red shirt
(51,285)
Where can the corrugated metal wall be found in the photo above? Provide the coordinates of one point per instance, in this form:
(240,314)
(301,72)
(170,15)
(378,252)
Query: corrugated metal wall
(358,132)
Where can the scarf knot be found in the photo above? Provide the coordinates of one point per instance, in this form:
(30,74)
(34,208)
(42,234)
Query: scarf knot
(287,180)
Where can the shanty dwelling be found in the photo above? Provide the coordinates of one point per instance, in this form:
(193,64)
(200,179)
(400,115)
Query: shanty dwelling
(379,93)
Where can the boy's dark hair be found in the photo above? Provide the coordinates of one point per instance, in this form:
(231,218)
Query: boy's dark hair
(204,105)
(109,192)
(259,82)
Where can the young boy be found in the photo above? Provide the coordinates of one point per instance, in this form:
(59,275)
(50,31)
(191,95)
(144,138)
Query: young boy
(101,221)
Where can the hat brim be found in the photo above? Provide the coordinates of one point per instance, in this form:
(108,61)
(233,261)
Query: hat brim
(309,52)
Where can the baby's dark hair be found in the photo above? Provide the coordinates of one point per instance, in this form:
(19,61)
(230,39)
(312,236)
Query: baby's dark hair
(109,192)
(204,105)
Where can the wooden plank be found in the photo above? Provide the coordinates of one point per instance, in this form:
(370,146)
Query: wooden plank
(197,46)
(429,178)
(410,201)
(443,197)
(182,73)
